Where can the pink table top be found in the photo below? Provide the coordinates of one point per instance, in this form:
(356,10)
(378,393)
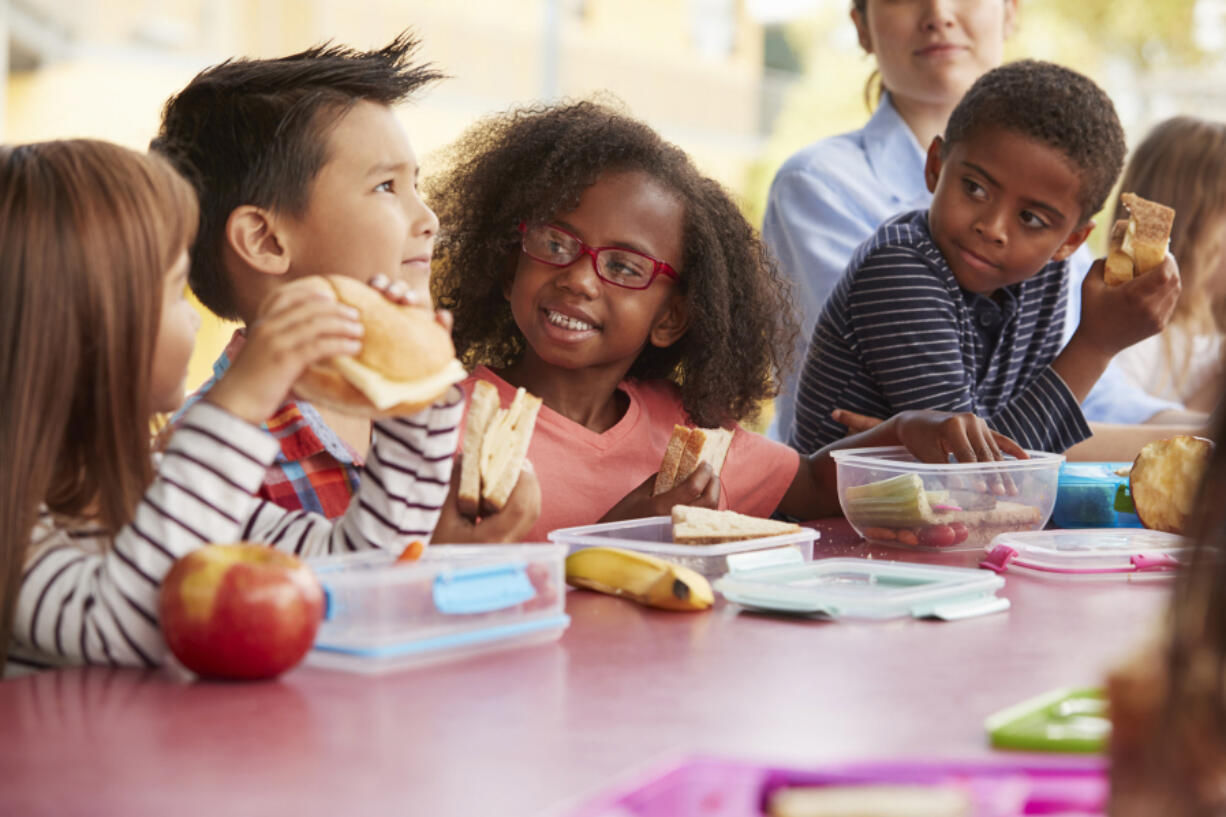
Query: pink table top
(539,730)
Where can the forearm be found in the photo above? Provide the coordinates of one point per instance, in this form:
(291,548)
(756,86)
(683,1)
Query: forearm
(1080,364)
(403,487)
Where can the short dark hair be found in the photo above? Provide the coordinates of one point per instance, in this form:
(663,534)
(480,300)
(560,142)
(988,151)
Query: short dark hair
(532,164)
(254,132)
(1053,105)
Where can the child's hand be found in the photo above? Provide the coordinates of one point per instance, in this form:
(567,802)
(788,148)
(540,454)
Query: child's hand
(701,488)
(932,436)
(511,524)
(299,325)
(400,292)
(1115,317)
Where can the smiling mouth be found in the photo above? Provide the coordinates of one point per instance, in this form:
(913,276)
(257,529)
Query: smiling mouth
(567,322)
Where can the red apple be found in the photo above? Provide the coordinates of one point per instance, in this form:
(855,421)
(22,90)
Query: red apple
(1165,478)
(240,611)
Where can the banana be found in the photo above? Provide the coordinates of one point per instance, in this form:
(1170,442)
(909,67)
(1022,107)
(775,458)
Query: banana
(640,577)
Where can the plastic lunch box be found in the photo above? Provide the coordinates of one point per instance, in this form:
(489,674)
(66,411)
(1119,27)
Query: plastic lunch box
(456,601)
(719,787)
(891,498)
(1089,553)
(1094,495)
(654,535)
(864,589)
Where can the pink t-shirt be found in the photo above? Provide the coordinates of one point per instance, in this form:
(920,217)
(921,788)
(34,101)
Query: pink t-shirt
(583,474)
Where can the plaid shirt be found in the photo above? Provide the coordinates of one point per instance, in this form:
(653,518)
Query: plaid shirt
(315,470)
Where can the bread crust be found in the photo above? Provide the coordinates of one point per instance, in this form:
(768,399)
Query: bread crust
(481,409)
(667,475)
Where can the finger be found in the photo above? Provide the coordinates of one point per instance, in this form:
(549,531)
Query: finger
(379,282)
(956,440)
(690,490)
(292,312)
(986,451)
(314,318)
(854,422)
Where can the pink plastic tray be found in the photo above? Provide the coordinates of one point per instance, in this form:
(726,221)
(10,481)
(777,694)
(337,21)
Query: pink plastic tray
(715,787)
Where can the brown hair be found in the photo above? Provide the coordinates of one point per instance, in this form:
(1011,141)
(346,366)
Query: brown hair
(89,230)
(1182,163)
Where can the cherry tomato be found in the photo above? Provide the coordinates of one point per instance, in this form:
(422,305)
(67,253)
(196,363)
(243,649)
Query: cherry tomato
(937,536)
(960,532)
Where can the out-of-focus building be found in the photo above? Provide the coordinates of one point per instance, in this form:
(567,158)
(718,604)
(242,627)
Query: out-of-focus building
(103,68)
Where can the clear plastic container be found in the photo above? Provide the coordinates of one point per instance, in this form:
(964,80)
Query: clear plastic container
(1089,553)
(890,498)
(1094,495)
(654,535)
(456,601)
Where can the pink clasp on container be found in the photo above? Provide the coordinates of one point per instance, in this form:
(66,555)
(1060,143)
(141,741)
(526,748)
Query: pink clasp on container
(1155,561)
(998,558)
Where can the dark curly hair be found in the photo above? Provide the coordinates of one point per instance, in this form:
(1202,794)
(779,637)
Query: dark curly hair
(1053,105)
(255,132)
(533,163)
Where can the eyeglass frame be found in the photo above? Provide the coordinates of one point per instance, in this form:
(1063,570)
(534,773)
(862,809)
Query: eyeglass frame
(658,267)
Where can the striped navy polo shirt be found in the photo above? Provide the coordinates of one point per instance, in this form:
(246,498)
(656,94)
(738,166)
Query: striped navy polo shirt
(899,333)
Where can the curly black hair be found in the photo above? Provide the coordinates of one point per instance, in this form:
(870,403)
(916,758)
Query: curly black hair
(1053,105)
(531,164)
(255,132)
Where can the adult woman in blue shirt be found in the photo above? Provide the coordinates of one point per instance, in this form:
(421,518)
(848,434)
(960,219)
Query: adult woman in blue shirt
(832,195)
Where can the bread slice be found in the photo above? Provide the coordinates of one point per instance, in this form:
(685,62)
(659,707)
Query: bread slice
(672,458)
(1119,266)
(688,447)
(871,800)
(703,526)
(481,410)
(505,446)
(1144,241)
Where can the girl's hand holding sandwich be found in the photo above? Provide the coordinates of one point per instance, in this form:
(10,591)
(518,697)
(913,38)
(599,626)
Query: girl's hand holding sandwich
(700,488)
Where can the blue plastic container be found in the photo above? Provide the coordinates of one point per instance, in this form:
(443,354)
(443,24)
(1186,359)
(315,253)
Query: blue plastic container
(1094,495)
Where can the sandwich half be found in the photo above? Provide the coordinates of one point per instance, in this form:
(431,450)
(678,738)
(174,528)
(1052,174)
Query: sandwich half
(686,449)
(495,446)
(407,360)
(703,526)
(1139,243)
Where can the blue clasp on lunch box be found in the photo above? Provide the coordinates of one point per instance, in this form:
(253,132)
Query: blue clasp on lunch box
(482,589)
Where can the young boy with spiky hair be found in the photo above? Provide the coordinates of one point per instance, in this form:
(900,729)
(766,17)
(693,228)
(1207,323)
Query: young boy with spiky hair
(302,168)
(960,307)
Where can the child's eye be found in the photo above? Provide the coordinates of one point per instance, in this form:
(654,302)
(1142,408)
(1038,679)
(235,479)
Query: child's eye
(388,186)
(973,188)
(1031,220)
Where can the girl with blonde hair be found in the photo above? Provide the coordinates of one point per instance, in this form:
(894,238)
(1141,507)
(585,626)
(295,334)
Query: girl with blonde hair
(1182,164)
(96,332)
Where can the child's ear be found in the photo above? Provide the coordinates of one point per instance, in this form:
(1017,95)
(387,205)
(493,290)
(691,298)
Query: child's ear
(1075,239)
(252,235)
(866,42)
(932,166)
(672,323)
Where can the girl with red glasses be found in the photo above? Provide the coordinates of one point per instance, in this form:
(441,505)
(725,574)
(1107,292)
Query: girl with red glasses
(589,261)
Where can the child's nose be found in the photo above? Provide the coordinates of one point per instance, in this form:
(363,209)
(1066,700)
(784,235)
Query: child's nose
(580,276)
(991,226)
(422,220)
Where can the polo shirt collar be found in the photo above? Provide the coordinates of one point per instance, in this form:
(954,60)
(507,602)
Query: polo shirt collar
(894,154)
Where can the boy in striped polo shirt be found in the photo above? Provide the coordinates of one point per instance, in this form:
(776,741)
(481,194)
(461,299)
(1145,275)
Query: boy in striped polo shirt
(960,307)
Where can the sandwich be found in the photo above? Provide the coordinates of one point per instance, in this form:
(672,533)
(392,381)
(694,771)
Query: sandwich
(703,526)
(686,449)
(1139,243)
(495,445)
(407,360)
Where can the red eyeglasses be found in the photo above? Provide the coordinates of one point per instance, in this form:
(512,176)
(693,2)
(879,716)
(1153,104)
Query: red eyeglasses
(614,265)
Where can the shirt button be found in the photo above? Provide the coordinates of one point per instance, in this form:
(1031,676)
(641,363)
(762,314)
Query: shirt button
(986,319)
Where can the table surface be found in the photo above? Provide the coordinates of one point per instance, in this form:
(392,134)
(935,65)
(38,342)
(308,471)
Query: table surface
(541,729)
